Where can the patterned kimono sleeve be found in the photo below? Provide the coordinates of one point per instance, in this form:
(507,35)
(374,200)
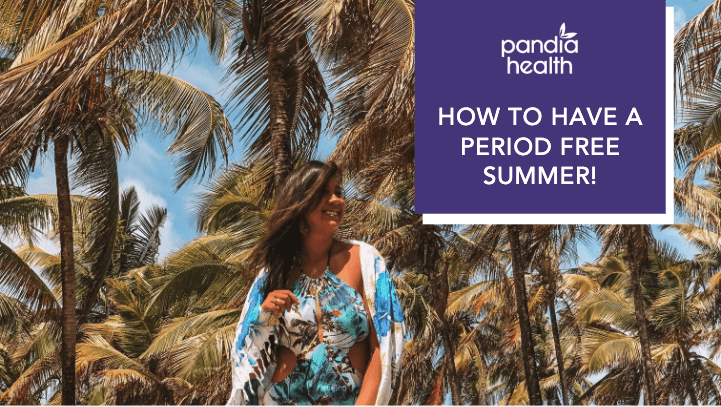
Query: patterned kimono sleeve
(251,372)
(388,318)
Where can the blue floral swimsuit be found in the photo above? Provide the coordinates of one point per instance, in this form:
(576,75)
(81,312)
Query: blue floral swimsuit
(331,317)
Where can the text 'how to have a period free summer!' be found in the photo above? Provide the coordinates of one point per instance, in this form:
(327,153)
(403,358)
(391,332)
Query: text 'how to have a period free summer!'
(538,145)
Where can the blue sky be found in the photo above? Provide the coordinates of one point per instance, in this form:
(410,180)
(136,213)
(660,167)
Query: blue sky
(151,171)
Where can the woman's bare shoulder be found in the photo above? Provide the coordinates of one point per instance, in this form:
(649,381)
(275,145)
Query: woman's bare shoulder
(351,269)
(348,248)
(350,253)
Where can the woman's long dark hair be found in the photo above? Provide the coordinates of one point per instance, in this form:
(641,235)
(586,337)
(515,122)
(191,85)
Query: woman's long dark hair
(299,194)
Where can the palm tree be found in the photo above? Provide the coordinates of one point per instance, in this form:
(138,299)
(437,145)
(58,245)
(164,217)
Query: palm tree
(522,247)
(279,87)
(677,315)
(26,300)
(634,241)
(560,243)
(495,340)
(520,261)
(35,369)
(185,311)
(69,83)
(108,357)
(25,295)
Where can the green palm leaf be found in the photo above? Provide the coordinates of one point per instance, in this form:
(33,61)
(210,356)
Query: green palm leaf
(97,349)
(604,349)
(202,130)
(23,282)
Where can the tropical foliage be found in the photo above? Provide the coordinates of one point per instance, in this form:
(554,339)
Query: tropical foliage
(502,314)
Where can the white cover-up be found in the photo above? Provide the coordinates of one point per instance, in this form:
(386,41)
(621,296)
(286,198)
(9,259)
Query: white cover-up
(387,318)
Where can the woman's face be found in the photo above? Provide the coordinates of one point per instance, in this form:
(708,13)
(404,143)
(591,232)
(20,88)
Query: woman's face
(327,216)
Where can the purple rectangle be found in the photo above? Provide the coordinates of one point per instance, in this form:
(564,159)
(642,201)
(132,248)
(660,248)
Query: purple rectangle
(616,51)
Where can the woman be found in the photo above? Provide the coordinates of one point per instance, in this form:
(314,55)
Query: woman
(322,323)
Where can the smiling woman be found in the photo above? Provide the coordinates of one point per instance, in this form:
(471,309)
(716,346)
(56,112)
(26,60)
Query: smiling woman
(322,323)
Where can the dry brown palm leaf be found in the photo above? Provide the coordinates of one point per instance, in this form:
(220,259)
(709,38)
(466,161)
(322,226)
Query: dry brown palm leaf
(701,205)
(24,283)
(213,390)
(115,378)
(382,86)
(20,20)
(34,379)
(63,86)
(197,118)
(697,52)
(51,30)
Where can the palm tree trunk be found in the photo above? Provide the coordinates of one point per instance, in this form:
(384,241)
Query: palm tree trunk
(557,343)
(451,378)
(593,388)
(67,266)
(689,379)
(635,271)
(278,61)
(524,320)
(439,282)
(441,291)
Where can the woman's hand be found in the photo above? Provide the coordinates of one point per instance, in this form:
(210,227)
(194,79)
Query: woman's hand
(279,301)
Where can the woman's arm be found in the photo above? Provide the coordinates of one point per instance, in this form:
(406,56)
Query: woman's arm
(251,367)
(372,377)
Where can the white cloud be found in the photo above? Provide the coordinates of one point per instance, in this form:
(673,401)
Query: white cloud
(42,180)
(145,152)
(679,18)
(42,242)
(168,234)
(203,78)
(168,239)
(147,198)
(143,160)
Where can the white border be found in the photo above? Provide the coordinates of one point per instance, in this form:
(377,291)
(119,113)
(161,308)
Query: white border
(554,218)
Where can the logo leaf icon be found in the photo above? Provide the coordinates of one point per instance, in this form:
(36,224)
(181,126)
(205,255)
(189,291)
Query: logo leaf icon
(562,33)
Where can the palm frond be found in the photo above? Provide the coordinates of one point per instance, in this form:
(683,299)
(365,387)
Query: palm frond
(97,349)
(182,328)
(23,282)
(380,83)
(33,379)
(603,349)
(219,23)
(697,46)
(63,87)
(96,170)
(51,30)
(202,130)
(609,307)
(191,270)
(13,315)
(200,355)
(306,100)
(146,238)
(21,215)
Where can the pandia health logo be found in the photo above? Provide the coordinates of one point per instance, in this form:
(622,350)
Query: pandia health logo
(561,44)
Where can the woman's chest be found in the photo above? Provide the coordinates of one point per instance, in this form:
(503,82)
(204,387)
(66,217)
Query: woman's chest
(329,311)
